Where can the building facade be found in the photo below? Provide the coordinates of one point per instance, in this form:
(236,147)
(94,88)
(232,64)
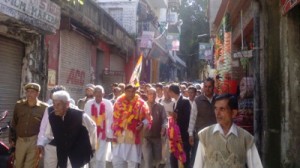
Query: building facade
(22,52)
(90,47)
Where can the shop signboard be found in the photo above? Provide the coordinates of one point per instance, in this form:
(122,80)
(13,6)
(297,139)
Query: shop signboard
(205,51)
(42,14)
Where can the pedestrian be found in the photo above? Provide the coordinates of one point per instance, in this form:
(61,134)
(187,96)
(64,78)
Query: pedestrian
(168,104)
(131,114)
(101,111)
(181,114)
(116,93)
(74,132)
(111,95)
(89,94)
(203,116)
(47,144)
(225,145)
(152,138)
(159,92)
(25,125)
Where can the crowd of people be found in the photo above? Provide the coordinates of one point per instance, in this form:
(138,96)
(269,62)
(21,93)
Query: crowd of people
(154,125)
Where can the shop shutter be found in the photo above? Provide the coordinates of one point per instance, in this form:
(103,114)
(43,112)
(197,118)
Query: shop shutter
(11,54)
(117,64)
(74,63)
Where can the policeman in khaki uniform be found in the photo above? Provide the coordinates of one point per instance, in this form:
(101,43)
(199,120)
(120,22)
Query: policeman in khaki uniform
(25,125)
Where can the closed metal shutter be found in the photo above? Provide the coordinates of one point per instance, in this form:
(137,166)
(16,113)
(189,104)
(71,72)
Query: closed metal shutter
(116,75)
(11,54)
(74,63)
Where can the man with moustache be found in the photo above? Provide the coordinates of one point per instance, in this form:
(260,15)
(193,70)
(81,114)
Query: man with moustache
(25,126)
(101,111)
(225,145)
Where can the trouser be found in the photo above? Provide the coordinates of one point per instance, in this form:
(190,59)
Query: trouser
(194,149)
(152,151)
(50,157)
(174,161)
(26,153)
(165,152)
(121,163)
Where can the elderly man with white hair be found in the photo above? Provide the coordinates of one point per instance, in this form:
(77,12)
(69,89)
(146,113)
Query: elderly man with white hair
(101,111)
(74,132)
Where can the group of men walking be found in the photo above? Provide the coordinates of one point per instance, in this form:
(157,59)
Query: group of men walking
(131,129)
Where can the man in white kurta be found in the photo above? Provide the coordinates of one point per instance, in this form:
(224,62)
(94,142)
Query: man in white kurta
(103,122)
(225,145)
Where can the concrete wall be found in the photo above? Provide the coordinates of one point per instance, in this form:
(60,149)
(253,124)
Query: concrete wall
(129,13)
(290,122)
(34,68)
(280,82)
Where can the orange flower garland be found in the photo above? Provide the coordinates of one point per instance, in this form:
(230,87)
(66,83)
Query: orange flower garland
(99,119)
(175,141)
(128,115)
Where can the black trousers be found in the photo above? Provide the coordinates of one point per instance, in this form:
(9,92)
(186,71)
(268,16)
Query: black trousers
(174,161)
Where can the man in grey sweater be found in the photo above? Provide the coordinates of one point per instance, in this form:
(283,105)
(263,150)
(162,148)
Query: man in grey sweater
(152,141)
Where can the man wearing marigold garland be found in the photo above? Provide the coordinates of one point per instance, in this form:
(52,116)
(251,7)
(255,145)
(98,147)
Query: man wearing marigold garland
(100,110)
(131,114)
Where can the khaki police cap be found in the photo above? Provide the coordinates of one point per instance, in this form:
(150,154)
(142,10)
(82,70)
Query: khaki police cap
(33,86)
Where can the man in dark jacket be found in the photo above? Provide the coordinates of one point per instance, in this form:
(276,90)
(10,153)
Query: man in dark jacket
(74,132)
(182,110)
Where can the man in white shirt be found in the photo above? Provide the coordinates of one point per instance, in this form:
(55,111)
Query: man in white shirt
(225,145)
(101,111)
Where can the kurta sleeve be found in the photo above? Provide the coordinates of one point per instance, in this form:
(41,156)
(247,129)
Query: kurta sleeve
(42,138)
(199,161)
(92,129)
(253,159)
(109,118)
(193,117)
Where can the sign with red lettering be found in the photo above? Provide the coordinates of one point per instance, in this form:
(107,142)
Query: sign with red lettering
(76,77)
(287,5)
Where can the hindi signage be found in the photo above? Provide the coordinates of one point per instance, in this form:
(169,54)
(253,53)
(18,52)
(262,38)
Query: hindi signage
(42,14)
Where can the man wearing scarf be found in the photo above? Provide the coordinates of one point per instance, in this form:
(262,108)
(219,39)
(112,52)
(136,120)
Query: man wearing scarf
(131,114)
(100,110)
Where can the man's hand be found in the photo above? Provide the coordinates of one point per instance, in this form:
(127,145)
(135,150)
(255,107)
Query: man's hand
(40,150)
(191,140)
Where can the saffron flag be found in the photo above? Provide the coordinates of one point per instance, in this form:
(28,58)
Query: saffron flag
(135,77)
